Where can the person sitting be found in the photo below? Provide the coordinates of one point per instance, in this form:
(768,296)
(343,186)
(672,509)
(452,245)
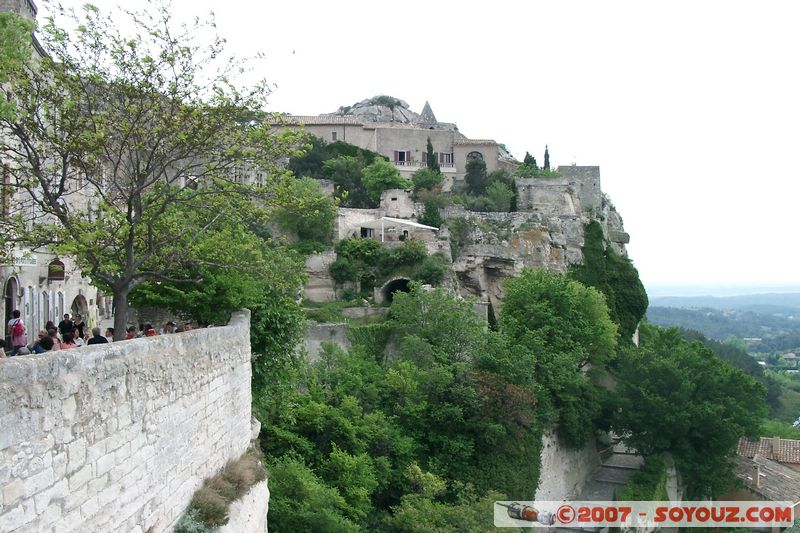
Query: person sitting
(149,331)
(77,339)
(169,327)
(96,337)
(68,341)
(109,334)
(130,333)
(80,325)
(34,346)
(46,344)
(53,333)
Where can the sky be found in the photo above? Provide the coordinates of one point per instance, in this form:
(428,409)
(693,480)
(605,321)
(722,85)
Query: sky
(690,108)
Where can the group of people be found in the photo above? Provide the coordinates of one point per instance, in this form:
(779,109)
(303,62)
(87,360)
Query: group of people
(70,334)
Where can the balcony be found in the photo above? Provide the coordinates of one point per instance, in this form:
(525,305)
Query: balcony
(416,165)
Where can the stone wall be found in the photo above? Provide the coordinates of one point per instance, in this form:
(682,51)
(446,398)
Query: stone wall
(248,514)
(319,333)
(564,471)
(118,437)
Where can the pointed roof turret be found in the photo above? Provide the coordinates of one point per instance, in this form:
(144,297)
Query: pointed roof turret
(427,116)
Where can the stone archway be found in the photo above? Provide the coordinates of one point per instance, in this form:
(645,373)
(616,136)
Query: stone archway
(386,293)
(79,306)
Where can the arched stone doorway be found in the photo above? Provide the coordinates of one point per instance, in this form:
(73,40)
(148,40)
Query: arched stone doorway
(11,297)
(386,293)
(79,306)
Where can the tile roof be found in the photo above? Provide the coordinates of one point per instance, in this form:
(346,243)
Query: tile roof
(777,482)
(475,141)
(788,451)
(320,120)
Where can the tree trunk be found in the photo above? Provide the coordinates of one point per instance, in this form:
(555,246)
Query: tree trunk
(120,312)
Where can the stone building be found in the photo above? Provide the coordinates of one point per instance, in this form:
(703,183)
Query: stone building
(402,136)
(39,284)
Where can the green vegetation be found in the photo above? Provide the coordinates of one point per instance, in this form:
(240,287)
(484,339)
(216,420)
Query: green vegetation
(496,191)
(426,178)
(649,483)
(368,263)
(431,161)
(15,52)
(561,326)
(775,428)
(158,101)
(679,397)
(309,213)
(381,175)
(614,276)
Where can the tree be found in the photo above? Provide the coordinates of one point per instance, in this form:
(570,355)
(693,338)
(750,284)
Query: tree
(347,173)
(679,397)
(564,326)
(381,175)
(475,176)
(425,178)
(15,52)
(529,160)
(546,158)
(500,195)
(113,130)
(432,162)
(308,211)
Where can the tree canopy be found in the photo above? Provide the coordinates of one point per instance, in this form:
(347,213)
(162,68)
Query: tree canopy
(679,397)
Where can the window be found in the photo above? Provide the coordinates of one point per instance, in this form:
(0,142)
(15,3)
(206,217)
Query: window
(474,155)
(367,233)
(333,135)
(446,159)
(402,157)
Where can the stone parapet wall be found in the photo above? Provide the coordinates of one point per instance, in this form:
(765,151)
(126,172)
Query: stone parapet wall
(118,437)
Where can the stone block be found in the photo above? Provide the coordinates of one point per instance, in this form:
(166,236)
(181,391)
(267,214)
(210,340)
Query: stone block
(44,498)
(80,478)
(13,492)
(38,482)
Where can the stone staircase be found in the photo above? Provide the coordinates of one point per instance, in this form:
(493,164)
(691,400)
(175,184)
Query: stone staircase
(618,464)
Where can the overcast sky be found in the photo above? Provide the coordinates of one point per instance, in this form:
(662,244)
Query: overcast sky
(690,108)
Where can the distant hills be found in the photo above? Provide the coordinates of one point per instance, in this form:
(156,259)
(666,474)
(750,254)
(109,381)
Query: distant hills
(783,303)
(772,317)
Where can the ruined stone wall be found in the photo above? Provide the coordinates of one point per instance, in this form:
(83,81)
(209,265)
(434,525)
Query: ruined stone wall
(118,437)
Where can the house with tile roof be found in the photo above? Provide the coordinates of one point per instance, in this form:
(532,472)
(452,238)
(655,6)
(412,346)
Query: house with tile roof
(783,451)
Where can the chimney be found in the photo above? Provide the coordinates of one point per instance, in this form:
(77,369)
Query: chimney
(758,475)
(776,446)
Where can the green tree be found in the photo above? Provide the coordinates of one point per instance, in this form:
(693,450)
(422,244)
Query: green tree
(529,161)
(432,161)
(16,46)
(134,124)
(425,178)
(546,158)
(564,326)
(431,216)
(614,276)
(679,397)
(347,174)
(500,196)
(380,176)
(475,176)
(307,211)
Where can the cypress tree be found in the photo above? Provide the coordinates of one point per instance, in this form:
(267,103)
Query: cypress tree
(433,164)
(546,158)
(529,160)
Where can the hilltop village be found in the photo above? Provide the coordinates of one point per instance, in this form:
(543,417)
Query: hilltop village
(359,321)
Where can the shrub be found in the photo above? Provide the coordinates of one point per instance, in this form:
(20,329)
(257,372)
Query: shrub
(426,178)
(648,483)
(431,215)
(410,253)
(432,270)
